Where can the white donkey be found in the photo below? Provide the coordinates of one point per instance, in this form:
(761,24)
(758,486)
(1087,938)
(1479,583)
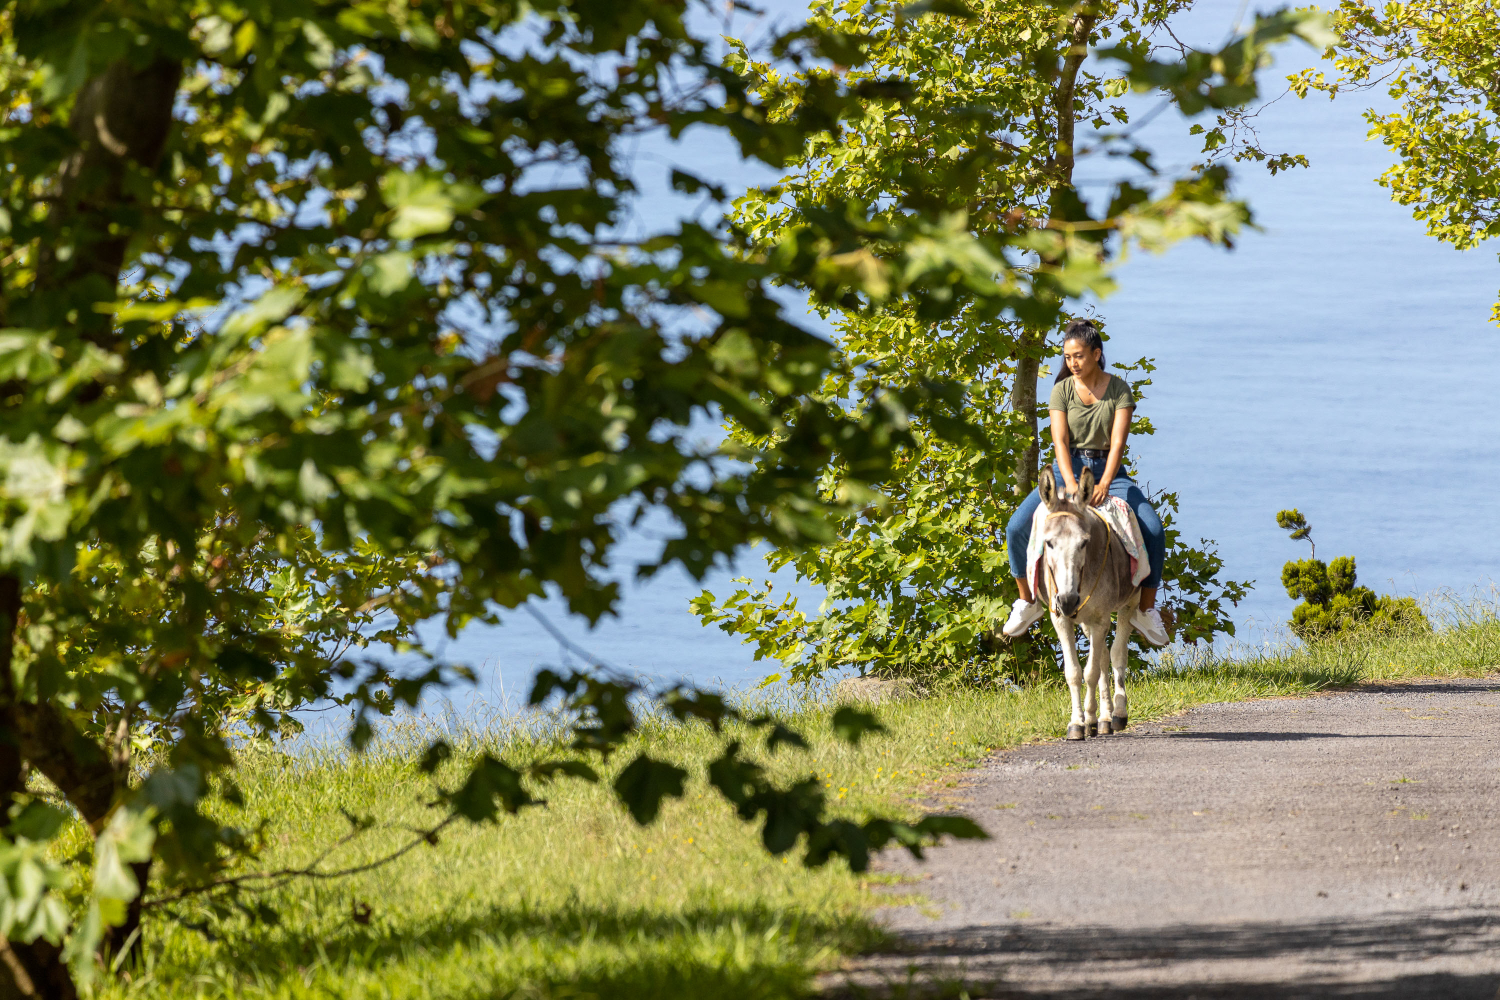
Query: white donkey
(1085,579)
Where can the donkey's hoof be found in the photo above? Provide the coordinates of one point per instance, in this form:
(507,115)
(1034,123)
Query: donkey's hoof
(1075,732)
(1104,727)
(1120,722)
(1092,729)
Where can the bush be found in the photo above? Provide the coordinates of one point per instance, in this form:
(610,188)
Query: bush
(1331,600)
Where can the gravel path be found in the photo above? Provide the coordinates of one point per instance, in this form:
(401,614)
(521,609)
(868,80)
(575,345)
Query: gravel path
(1345,845)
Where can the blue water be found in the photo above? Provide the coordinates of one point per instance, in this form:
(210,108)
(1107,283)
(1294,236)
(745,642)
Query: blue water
(1314,366)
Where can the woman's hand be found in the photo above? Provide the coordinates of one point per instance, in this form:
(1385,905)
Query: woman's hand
(1101,490)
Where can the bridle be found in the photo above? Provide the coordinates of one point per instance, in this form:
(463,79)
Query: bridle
(1108,554)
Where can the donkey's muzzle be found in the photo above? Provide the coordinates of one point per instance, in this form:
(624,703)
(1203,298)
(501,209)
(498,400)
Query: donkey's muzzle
(1067,604)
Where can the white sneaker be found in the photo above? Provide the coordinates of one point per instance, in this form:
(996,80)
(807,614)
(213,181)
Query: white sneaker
(1023,614)
(1150,626)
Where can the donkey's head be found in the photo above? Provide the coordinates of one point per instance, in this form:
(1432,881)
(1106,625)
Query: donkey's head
(1065,540)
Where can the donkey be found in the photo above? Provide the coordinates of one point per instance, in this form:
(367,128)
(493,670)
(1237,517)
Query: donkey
(1085,578)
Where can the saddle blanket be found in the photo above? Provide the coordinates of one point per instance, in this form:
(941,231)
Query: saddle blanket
(1121,520)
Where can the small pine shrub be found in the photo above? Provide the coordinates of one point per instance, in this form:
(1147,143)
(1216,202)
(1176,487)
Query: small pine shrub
(1332,602)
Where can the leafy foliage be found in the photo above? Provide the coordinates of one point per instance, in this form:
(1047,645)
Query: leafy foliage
(318,321)
(1331,601)
(1293,522)
(321,320)
(786,814)
(1440,60)
(985,134)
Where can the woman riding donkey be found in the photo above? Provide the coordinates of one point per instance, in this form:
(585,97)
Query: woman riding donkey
(1091,411)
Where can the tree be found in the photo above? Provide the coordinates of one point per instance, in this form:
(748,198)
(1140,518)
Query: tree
(986,136)
(1440,60)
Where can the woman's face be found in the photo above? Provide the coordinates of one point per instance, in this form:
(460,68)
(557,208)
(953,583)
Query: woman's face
(1080,359)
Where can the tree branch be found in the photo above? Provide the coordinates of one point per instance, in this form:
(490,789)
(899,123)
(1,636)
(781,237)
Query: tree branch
(280,876)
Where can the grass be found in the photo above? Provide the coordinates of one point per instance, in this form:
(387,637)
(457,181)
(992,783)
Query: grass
(574,900)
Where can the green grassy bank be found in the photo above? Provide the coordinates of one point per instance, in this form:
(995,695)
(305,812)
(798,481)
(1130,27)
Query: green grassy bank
(574,900)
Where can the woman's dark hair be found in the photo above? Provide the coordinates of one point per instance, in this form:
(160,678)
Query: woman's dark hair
(1088,333)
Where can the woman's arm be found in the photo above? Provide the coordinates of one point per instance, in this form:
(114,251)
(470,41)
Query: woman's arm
(1060,444)
(1117,435)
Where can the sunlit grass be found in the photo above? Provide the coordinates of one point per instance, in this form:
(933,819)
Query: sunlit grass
(575,900)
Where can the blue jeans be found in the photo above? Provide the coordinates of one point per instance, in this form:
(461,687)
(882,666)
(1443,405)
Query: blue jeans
(1018,531)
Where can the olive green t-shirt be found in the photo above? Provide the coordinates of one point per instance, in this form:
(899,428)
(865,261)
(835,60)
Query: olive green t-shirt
(1089,423)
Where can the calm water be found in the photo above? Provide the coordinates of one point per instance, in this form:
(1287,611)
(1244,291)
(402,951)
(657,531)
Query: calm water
(1312,367)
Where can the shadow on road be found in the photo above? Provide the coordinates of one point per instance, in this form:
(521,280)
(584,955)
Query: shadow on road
(1263,737)
(1483,686)
(1409,956)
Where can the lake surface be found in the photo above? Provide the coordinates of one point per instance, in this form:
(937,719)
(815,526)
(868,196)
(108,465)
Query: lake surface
(1311,367)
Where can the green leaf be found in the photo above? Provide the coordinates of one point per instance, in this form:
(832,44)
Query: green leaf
(434,756)
(851,724)
(548,769)
(688,703)
(275,305)
(959,827)
(692,184)
(644,782)
(789,814)
(127,838)
(780,735)
(839,838)
(948,8)
(425,203)
(740,781)
(390,273)
(491,787)
(353,368)
(242,662)
(37,821)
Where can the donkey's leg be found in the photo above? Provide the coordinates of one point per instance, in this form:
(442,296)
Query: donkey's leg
(1106,724)
(1073,671)
(1119,661)
(1096,716)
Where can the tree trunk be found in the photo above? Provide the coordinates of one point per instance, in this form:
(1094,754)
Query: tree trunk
(1062,100)
(35,969)
(1023,400)
(1060,173)
(121,120)
(77,765)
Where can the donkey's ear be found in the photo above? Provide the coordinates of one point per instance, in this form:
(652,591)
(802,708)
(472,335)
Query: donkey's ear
(1085,487)
(1047,487)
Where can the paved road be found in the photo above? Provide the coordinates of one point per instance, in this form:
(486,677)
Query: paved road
(1346,845)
